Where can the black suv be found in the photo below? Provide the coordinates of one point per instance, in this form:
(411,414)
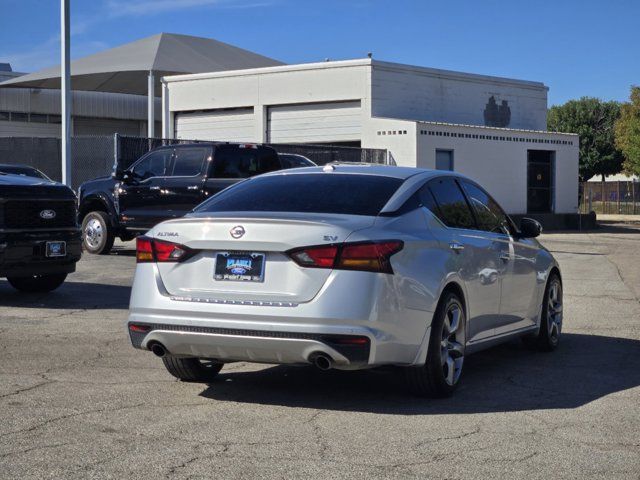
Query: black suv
(40,241)
(167,182)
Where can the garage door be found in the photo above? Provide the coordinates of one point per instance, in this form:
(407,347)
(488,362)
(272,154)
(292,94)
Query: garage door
(315,123)
(231,125)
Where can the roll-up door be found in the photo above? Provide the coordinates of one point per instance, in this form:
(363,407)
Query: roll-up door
(315,122)
(227,125)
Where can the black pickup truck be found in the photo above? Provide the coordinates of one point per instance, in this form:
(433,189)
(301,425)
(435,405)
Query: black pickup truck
(40,241)
(167,182)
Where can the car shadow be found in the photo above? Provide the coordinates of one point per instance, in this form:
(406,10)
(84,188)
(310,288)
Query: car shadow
(69,296)
(506,378)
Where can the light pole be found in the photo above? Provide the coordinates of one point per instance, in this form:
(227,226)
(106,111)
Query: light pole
(151,98)
(65,92)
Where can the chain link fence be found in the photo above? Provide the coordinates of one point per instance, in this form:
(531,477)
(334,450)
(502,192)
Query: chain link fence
(91,157)
(95,156)
(620,198)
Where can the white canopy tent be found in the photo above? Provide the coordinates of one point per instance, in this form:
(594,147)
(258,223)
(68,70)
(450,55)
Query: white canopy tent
(137,67)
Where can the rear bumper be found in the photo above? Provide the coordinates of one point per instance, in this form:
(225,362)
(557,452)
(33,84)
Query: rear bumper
(23,253)
(351,304)
(260,346)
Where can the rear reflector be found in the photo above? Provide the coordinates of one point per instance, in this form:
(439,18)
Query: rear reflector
(346,340)
(134,327)
(152,250)
(365,256)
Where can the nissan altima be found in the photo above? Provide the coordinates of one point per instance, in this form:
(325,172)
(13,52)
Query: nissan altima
(346,267)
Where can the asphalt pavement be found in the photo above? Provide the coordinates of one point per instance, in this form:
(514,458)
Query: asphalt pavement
(76,401)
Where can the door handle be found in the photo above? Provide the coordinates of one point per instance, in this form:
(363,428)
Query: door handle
(193,187)
(505,257)
(154,188)
(456,247)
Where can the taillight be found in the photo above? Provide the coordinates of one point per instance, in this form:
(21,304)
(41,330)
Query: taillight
(144,249)
(319,257)
(152,250)
(366,256)
(372,257)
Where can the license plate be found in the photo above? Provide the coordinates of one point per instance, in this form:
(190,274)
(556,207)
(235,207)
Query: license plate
(56,249)
(240,266)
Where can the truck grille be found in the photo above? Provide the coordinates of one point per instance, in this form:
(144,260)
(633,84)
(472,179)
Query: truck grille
(36,213)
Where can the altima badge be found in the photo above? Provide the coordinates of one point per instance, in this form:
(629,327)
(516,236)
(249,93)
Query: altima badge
(47,214)
(237,231)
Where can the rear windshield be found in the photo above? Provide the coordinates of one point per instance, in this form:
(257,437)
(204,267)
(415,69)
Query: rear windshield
(348,194)
(234,161)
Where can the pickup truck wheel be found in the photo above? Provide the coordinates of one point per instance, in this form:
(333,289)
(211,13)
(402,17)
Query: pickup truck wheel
(97,234)
(37,283)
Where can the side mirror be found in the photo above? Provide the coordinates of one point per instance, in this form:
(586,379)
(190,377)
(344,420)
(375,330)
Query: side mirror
(118,175)
(530,228)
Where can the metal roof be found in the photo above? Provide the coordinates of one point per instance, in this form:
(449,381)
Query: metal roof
(125,69)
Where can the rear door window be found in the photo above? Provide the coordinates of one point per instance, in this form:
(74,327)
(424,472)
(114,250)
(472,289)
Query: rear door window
(348,194)
(453,208)
(237,161)
(490,215)
(188,162)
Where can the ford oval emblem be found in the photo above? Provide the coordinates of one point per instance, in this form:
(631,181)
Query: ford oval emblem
(237,231)
(47,214)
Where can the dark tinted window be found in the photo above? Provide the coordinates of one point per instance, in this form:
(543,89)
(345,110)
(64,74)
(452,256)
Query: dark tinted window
(153,165)
(20,170)
(453,208)
(427,200)
(488,213)
(188,162)
(236,161)
(295,161)
(314,193)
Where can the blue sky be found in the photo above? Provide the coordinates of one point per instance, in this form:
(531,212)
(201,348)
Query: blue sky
(575,47)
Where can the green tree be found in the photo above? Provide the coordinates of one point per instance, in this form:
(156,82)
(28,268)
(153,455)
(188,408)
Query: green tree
(594,120)
(628,132)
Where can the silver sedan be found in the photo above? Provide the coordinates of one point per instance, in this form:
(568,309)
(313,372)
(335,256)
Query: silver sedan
(344,267)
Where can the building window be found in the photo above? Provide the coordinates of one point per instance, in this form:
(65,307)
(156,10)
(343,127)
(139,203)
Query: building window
(38,118)
(444,159)
(4,116)
(19,117)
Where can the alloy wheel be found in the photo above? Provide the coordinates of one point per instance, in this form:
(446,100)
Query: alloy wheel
(452,343)
(554,310)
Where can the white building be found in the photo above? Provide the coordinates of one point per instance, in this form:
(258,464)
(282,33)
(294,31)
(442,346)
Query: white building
(490,128)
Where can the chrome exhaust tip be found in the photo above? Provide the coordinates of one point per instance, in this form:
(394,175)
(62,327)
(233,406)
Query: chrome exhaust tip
(322,361)
(158,350)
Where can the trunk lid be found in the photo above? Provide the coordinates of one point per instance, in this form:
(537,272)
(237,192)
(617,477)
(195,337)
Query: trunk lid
(270,234)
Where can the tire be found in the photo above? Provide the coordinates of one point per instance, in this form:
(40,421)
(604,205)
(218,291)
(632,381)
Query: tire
(191,369)
(548,337)
(97,233)
(440,375)
(37,283)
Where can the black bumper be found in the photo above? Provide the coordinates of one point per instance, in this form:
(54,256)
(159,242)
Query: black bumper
(24,253)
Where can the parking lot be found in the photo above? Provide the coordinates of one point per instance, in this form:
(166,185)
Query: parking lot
(76,401)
